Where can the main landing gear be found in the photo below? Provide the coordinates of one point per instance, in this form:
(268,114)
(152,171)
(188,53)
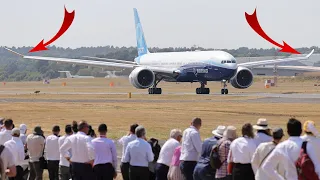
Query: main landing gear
(203,89)
(154,89)
(224,90)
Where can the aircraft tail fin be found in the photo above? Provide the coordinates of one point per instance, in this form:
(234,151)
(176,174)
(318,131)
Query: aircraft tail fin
(141,42)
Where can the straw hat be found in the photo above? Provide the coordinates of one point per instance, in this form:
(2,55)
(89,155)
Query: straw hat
(230,132)
(262,124)
(219,131)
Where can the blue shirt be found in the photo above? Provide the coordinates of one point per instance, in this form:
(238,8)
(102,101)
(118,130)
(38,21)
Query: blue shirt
(138,153)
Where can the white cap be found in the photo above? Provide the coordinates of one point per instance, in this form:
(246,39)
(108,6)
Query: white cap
(23,128)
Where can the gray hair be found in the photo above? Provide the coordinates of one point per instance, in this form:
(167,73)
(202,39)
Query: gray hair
(140,131)
(175,133)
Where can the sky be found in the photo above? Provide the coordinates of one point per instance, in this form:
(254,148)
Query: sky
(166,23)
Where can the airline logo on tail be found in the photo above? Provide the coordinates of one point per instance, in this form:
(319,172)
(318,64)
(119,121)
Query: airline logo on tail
(141,42)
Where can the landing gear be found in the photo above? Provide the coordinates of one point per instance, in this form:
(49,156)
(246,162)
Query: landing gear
(224,90)
(154,89)
(203,89)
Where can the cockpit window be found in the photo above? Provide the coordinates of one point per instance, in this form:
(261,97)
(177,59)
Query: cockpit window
(222,62)
(233,61)
(228,61)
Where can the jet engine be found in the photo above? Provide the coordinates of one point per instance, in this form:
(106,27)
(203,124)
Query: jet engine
(142,78)
(242,79)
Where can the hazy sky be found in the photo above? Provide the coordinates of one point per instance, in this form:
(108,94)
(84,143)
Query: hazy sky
(206,23)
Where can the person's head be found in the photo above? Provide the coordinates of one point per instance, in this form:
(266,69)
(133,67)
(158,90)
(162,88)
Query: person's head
(277,135)
(38,131)
(176,134)
(218,132)
(56,130)
(23,129)
(306,127)
(230,133)
(91,132)
(294,127)
(8,124)
(15,132)
(83,127)
(133,128)
(140,132)
(196,122)
(247,130)
(74,126)
(68,129)
(103,129)
(262,126)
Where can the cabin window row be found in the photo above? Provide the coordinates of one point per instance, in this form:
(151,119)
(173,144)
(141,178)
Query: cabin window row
(229,61)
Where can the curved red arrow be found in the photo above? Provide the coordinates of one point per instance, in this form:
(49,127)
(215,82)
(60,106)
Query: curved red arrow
(68,19)
(255,25)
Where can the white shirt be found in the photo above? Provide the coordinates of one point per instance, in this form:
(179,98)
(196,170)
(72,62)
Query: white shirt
(63,161)
(17,149)
(105,151)
(5,136)
(7,160)
(261,138)
(124,141)
(23,138)
(139,153)
(313,151)
(81,148)
(286,154)
(191,145)
(52,148)
(242,150)
(167,151)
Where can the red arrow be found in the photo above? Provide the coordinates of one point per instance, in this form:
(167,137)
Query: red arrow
(68,19)
(254,23)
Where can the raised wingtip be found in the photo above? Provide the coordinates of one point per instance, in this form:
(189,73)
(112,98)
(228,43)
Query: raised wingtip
(14,52)
(310,53)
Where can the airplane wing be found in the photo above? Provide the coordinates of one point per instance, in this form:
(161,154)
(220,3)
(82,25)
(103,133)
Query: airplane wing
(111,60)
(301,68)
(275,61)
(167,71)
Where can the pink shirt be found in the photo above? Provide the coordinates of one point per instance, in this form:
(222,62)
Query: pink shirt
(176,157)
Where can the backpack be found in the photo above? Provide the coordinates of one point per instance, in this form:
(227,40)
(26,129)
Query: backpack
(215,161)
(156,148)
(305,166)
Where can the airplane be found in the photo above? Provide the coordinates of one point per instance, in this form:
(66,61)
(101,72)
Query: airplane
(148,69)
(68,74)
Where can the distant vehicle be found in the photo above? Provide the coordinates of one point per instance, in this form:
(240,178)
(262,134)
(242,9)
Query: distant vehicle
(68,74)
(148,69)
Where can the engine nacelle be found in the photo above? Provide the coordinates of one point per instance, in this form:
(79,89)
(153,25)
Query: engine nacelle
(242,79)
(142,78)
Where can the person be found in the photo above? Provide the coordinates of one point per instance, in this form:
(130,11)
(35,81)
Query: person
(263,151)
(91,133)
(124,141)
(313,145)
(139,153)
(105,161)
(285,154)
(166,153)
(23,133)
(190,149)
(203,169)
(263,132)
(64,164)
(241,152)
(74,127)
(52,153)
(229,135)
(82,152)
(16,148)
(174,172)
(7,163)
(35,145)
(6,134)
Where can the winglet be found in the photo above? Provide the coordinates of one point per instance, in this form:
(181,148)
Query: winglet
(14,52)
(310,53)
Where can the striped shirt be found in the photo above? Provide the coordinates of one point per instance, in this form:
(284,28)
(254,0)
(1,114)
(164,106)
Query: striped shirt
(223,153)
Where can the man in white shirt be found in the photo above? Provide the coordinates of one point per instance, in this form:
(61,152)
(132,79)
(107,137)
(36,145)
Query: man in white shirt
(285,154)
(263,132)
(139,153)
(240,154)
(6,134)
(124,141)
(166,153)
(313,145)
(8,164)
(23,133)
(64,164)
(82,152)
(52,153)
(190,149)
(16,148)
(105,161)
(263,151)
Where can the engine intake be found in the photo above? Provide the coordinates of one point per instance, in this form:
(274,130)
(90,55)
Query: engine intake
(242,79)
(141,78)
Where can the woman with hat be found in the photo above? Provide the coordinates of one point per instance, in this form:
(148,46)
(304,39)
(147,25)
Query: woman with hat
(263,132)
